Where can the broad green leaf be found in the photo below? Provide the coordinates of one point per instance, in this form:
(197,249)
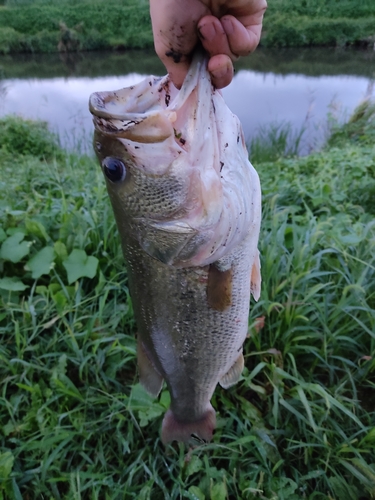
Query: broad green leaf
(194,465)
(284,486)
(60,300)
(6,465)
(41,263)
(139,398)
(54,288)
(165,399)
(2,235)
(37,229)
(195,493)
(79,265)
(60,250)
(153,412)
(41,290)
(12,284)
(14,249)
(219,491)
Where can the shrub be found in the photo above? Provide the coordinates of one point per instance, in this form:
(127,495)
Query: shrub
(27,137)
(286,31)
(10,40)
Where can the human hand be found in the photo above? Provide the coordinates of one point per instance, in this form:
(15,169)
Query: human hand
(227,29)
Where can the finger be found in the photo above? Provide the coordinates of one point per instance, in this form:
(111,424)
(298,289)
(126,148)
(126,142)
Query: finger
(177,66)
(220,68)
(175,55)
(242,39)
(175,35)
(213,37)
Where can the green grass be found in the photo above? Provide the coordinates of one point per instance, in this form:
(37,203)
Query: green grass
(93,25)
(74,422)
(33,25)
(299,23)
(274,141)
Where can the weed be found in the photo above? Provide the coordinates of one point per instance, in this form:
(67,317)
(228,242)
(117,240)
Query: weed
(275,141)
(26,137)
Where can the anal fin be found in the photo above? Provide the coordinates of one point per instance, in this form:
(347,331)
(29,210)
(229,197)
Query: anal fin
(149,377)
(234,373)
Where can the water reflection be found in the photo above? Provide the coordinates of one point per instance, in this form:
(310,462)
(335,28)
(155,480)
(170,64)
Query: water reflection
(297,86)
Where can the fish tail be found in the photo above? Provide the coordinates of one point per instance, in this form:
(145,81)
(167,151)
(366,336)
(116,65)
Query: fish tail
(180,430)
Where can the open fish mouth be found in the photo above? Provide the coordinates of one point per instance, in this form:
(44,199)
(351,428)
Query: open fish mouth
(119,113)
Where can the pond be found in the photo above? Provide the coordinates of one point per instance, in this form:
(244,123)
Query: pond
(306,88)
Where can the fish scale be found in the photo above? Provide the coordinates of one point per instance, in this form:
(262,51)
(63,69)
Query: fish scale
(188,341)
(188,213)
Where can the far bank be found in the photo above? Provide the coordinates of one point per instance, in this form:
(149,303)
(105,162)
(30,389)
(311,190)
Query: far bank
(67,26)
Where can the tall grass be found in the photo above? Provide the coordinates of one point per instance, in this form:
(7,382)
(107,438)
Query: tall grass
(322,22)
(275,141)
(74,422)
(96,25)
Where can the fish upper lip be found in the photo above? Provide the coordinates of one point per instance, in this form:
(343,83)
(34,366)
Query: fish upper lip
(97,107)
(107,125)
(104,126)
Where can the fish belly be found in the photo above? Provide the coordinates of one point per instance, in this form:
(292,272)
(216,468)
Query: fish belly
(186,340)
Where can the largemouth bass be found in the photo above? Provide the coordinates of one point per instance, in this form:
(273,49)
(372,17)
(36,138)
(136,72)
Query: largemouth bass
(187,203)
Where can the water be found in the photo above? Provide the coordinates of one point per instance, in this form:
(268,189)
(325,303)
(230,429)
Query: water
(300,87)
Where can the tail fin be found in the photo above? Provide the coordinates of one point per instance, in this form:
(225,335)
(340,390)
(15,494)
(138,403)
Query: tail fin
(179,430)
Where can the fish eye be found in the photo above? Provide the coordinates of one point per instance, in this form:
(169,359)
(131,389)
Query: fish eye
(114,169)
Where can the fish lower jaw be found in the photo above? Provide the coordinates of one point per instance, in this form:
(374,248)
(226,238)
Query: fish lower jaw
(174,429)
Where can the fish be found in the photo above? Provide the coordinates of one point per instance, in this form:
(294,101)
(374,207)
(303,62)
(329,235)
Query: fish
(187,204)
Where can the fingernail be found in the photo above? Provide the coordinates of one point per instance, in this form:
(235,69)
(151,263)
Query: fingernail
(227,25)
(207,31)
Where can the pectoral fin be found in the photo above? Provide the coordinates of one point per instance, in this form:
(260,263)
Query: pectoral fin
(234,374)
(149,377)
(255,280)
(219,288)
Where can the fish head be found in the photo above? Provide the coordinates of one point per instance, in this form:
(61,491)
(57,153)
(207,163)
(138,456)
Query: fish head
(176,167)
(136,151)
(145,166)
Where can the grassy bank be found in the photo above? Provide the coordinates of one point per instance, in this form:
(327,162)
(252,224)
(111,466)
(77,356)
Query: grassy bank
(87,25)
(74,423)
(41,25)
(301,23)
